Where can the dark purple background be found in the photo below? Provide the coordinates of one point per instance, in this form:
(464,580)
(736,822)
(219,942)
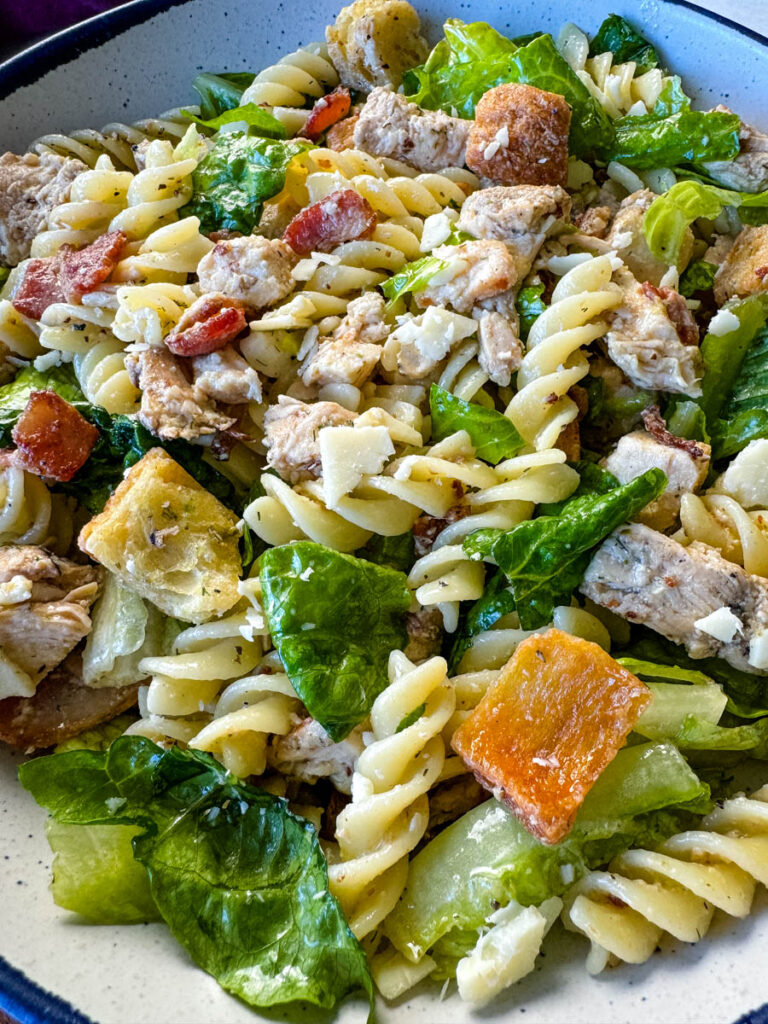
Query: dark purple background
(25,21)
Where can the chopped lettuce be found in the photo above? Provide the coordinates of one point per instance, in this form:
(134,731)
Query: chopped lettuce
(545,558)
(220,92)
(645,141)
(100,737)
(413,277)
(334,619)
(493,436)
(625,43)
(487,857)
(669,215)
(251,114)
(744,416)
(529,305)
(699,276)
(498,600)
(241,882)
(685,418)
(396,552)
(237,176)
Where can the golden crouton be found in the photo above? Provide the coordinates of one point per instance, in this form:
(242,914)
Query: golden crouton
(374,41)
(744,270)
(520,136)
(166,538)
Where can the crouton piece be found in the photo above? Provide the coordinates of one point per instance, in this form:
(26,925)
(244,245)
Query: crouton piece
(169,540)
(372,42)
(253,270)
(744,271)
(520,136)
(556,716)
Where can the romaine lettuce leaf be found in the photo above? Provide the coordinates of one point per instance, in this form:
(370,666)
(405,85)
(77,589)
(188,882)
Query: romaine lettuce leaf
(497,600)
(251,114)
(396,552)
(334,620)
(237,176)
(529,305)
(413,277)
(625,43)
(685,418)
(241,882)
(645,141)
(487,858)
(220,92)
(699,276)
(493,436)
(545,558)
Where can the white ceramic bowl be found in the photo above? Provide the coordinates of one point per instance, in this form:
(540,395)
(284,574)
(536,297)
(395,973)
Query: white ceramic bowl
(136,62)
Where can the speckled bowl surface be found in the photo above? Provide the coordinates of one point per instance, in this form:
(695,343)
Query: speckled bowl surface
(138,61)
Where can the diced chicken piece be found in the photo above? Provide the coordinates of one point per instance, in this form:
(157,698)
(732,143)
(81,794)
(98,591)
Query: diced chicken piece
(172,407)
(341,216)
(428,140)
(342,135)
(521,215)
(61,707)
(373,42)
(53,439)
(353,352)
(594,221)
(520,136)
(38,633)
(210,323)
(501,350)
(326,112)
(719,249)
(226,377)
(251,269)
(648,578)
(556,716)
(644,342)
(425,634)
(427,528)
(569,441)
(685,463)
(749,171)
(485,269)
(308,753)
(290,435)
(30,187)
(628,239)
(744,271)
(451,799)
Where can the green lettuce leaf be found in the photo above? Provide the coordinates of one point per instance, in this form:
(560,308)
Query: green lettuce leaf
(234,180)
(699,276)
(334,619)
(671,99)
(625,43)
(667,217)
(493,436)
(241,882)
(220,92)
(529,305)
(497,600)
(685,418)
(645,141)
(593,479)
(487,857)
(252,114)
(413,277)
(545,558)
(395,552)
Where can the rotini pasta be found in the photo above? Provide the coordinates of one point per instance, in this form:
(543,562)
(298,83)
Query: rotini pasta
(19,335)
(30,514)
(147,313)
(677,888)
(102,374)
(285,88)
(720,521)
(389,811)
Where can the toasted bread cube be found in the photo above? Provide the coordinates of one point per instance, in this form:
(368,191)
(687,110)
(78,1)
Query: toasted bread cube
(744,271)
(166,538)
(520,136)
(556,716)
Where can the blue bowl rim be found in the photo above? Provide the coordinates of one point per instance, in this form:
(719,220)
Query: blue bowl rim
(17,991)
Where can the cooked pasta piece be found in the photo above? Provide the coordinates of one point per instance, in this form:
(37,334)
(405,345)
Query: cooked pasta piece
(102,374)
(288,88)
(720,521)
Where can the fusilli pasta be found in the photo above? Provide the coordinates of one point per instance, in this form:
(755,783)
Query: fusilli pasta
(285,88)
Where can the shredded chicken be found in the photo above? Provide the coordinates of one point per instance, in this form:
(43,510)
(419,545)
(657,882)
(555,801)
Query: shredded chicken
(644,342)
(225,376)
(744,271)
(749,171)
(308,753)
(501,350)
(484,269)
(426,139)
(593,221)
(290,435)
(171,406)
(649,578)
(627,237)
(30,187)
(352,353)
(253,270)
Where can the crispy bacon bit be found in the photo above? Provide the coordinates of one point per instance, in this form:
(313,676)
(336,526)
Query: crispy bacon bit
(656,425)
(556,716)
(52,438)
(677,311)
(326,112)
(342,216)
(209,324)
(68,275)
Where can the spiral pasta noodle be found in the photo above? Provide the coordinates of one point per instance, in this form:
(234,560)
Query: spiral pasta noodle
(292,84)
(147,313)
(720,521)
(19,335)
(156,193)
(555,359)
(624,911)
(76,327)
(389,810)
(169,253)
(30,514)
(104,379)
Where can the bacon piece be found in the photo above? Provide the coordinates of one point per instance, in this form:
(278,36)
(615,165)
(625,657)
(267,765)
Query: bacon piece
(326,112)
(677,311)
(656,426)
(68,275)
(209,324)
(341,216)
(555,718)
(52,438)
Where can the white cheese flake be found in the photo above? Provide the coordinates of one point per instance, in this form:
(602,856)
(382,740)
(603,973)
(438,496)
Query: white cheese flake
(723,322)
(15,590)
(722,624)
(491,149)
(348,454)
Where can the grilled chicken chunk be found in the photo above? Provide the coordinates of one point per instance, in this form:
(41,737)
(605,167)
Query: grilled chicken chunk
(308,753)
